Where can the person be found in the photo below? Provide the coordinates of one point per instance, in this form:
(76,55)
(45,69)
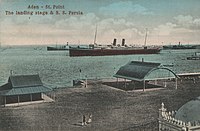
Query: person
(89,119)
(84,121)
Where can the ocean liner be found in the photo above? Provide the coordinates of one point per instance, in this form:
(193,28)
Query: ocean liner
(114,49)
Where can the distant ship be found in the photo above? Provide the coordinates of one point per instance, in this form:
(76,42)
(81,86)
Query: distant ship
(50,48)
(196,56)
(105,52)
(65,47)
(55,48)
(179,46)
(114,49)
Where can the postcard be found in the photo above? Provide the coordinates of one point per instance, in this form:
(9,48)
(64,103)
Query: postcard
(99,65)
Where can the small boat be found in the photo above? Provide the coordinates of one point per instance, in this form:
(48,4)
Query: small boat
(66,47)
(54,48)
(196,56)
(179,46)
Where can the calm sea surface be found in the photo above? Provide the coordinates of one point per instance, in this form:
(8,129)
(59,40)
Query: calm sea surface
(57,69)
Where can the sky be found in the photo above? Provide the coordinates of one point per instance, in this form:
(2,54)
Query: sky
(164,21)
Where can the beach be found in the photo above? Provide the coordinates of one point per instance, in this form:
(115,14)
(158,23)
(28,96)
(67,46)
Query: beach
(111,108)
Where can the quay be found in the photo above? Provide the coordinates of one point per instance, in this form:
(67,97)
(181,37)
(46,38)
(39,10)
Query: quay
(196,74)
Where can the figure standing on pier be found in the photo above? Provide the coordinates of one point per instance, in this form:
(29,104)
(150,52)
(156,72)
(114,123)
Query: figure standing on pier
(89,119)
(84,120)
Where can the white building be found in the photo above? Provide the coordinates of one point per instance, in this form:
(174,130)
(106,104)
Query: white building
(187,118)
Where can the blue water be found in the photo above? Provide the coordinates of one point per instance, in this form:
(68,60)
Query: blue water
(57,69)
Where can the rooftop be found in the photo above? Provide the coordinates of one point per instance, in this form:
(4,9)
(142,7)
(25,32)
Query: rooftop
(23,84)
(139,71)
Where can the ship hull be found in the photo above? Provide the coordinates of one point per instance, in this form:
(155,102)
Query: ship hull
(193,58)
(107,52)
(55,48)
(178,47)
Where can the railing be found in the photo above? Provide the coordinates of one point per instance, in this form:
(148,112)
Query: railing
(167,121)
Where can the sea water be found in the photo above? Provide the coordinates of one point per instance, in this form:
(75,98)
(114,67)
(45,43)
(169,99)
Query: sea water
(57,69)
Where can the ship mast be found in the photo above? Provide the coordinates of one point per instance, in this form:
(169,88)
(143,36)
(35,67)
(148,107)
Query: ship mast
(145,40)
(95,36)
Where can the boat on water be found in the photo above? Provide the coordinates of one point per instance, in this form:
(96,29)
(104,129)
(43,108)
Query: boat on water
(179,46)
(105,52)
(65,47)
(52,48)
(196,56)
(114,49)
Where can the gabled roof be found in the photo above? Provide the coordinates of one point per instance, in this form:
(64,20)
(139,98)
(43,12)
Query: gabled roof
(19,81)
(23,84)
(136,70)
(6,86)
(27,90)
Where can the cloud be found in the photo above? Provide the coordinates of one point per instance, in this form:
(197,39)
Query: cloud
(116,24)
(118,28)
(84,27)
(165,29)
(188,22)
(131,33)
(181,30)
(71,29)
(82,22)
(124,9)
(81,28)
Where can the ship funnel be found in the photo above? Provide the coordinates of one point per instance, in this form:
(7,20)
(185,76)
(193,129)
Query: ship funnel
(114,42)
(123,42)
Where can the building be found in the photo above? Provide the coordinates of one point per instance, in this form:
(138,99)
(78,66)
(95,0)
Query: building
(22,89)
(146,72)
(187,118)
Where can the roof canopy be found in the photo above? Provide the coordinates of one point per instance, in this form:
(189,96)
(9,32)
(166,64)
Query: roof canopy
(23,84)
(25,81)
(27,90)
(139,71)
